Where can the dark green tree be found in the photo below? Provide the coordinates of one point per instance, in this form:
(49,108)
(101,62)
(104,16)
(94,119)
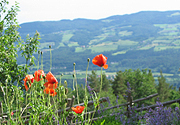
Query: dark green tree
(163,88)
(106,83)
(95,81)
(118,86)
(142,83)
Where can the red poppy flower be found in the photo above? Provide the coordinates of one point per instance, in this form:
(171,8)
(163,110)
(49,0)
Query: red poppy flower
(78,109)
(50,78)
(52,92)
(51,85)
(12,113)
(38,74)
(52,81)
(29,79)
(101,61)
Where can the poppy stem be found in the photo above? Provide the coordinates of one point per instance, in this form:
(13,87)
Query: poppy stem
(76,83)
(86,79)
(41,60)
(101,83)
(86,97)
(38,60)
(50,58)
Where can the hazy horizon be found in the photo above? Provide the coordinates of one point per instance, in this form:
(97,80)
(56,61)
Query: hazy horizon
(54,10)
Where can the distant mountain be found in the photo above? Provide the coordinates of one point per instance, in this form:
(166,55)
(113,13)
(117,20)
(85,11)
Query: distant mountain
(147,39)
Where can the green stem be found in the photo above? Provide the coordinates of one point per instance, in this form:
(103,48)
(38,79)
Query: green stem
(73,85)
(38,60)
(76,83)
(50,59)
(86,97)
(41,60)
(101,83)
(86,79)
(98,96)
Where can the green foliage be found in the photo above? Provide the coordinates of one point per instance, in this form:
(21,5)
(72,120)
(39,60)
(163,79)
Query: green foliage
(11,43)
(142,83)
(107,121)
(81,92)
(165,89)
(118,86)
(95,81)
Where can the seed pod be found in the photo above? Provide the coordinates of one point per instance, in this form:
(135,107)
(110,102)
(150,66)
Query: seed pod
(88,59)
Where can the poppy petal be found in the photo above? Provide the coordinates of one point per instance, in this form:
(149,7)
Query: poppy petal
(51,78)
(78,109)
(100,60)
(29,79)
(51,85)
(51,92)
(105,66)
(38,74)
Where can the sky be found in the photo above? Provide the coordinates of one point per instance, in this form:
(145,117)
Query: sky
(54,10)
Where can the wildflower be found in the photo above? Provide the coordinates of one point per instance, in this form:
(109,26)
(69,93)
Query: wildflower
(12,113)
(50,85)
(52,81)
(78,109)
(29,79)
(38,74)
(100,60)
(52,92)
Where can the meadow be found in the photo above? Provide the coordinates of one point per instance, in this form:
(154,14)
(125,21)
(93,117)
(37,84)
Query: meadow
(33,93)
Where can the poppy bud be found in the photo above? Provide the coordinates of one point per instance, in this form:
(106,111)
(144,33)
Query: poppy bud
(65,82)
(62,74)
(88,59)
(30,64)
(74,64)
(50,46)
(41,52)
(73,75)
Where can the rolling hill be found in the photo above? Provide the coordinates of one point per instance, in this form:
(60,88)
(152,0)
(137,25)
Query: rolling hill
(147,39)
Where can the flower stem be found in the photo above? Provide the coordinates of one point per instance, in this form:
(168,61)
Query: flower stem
(100,85)
(50,58)
(42,60)
(76,84)
(86,97)
(38,60)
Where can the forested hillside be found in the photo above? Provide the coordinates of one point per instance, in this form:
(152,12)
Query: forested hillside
(148,39)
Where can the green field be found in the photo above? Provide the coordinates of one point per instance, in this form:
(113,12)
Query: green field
(162,41)
(169,29)
(99,38)
(125,33)
(73,44)
(161,47)
(120,52)
(79,49)
(102,48)
(177,42)
(126,42)
(61,44)
(145,47)
(66,37)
